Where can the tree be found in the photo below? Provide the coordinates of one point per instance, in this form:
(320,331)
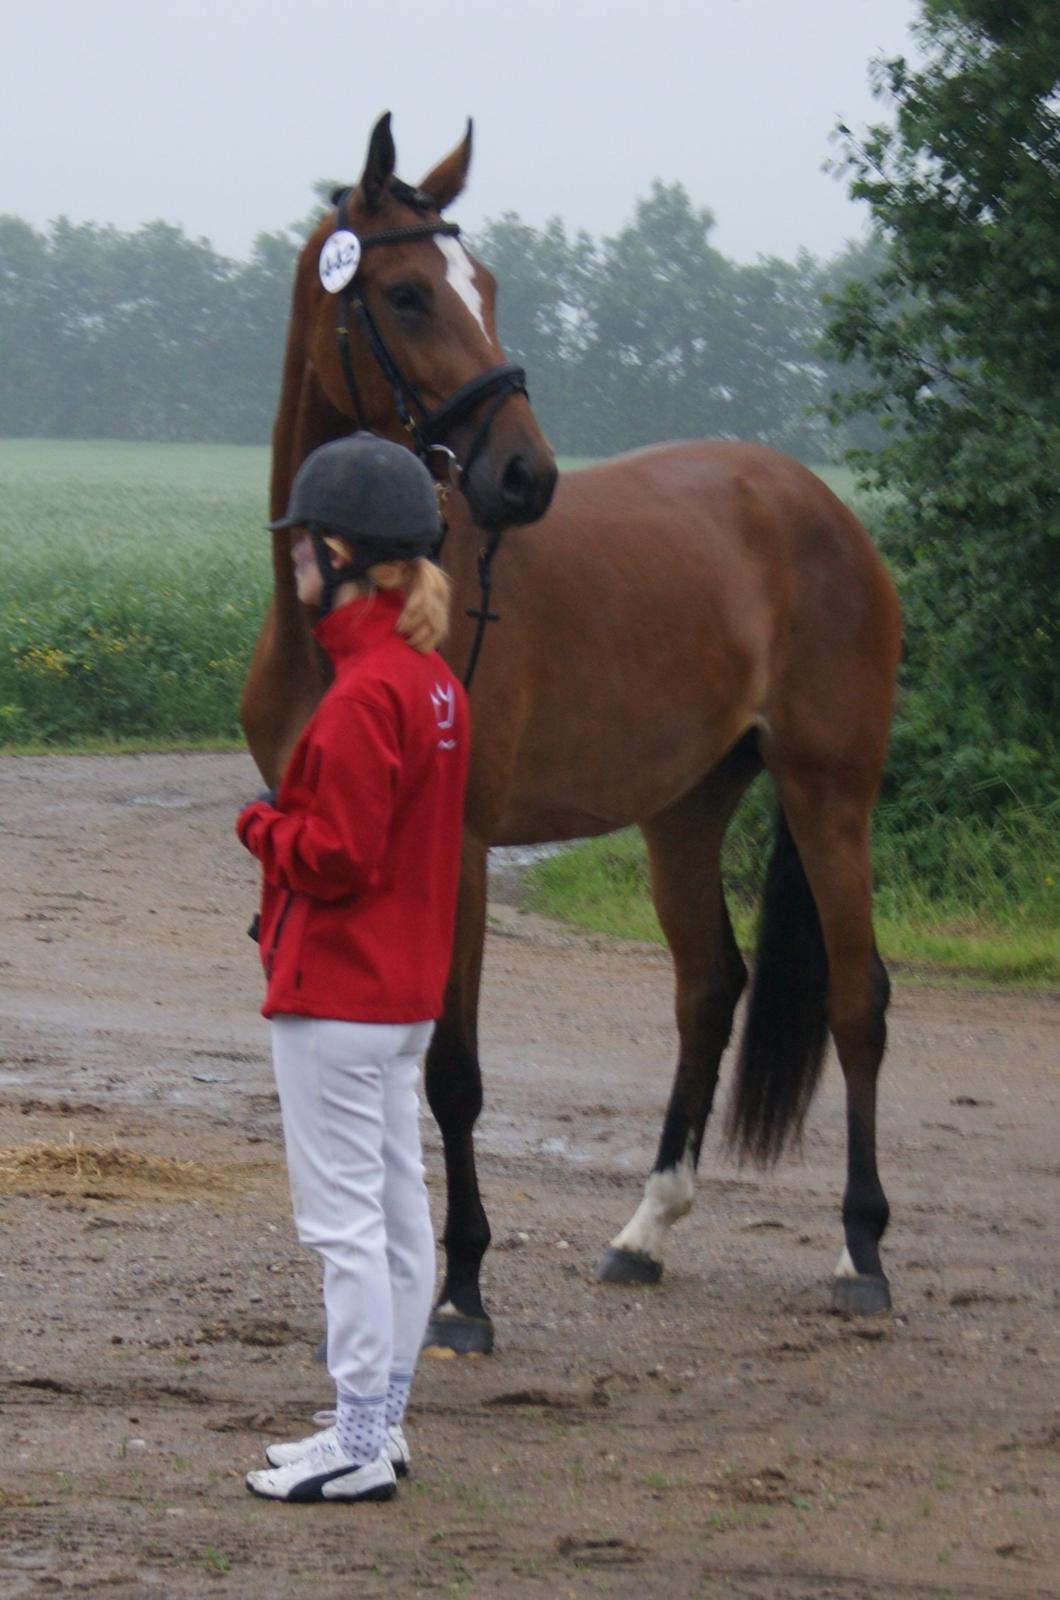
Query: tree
(780,381)
(27,342)
(859,259)
(959,335)
(255,335)
(662,358)
(543,292)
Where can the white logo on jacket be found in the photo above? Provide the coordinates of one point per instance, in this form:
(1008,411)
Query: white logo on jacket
(443,699)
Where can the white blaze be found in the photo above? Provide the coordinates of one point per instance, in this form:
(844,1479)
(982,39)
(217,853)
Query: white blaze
(461,277)
(667,1196)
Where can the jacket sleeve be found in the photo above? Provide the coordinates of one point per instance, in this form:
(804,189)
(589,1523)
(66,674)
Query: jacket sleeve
(334,847)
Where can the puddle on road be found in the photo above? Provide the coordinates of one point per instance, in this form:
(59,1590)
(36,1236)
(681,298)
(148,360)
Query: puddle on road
(168,801)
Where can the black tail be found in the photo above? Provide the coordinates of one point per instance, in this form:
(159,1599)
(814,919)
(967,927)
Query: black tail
(785,1030)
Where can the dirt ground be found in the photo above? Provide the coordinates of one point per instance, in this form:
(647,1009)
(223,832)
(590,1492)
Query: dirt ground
(721,1435)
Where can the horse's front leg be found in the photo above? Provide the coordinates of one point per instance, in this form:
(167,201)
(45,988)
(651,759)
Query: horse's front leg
(454,1092)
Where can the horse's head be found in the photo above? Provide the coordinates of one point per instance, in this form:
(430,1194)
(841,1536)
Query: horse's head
(422,363)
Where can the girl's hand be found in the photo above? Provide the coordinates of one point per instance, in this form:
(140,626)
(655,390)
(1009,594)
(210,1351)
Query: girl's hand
(268,795)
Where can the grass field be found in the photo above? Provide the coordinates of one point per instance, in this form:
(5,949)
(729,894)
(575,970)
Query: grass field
(195,468)
(998,927)
(136,580)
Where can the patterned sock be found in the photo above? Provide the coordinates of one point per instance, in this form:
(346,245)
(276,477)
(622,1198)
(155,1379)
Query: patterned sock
(397,1397)
(360,1426)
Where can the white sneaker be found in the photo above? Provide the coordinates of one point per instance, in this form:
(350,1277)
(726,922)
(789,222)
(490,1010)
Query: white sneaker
(397,1451)
(284,1455)
(396,1448)
(325,1472)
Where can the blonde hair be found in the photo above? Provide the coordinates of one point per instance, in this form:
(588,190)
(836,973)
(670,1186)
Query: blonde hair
(424,621)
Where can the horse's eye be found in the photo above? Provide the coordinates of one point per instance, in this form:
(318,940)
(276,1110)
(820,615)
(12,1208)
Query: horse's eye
(406,297)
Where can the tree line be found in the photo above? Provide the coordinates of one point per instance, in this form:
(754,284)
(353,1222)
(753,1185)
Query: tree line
(956,343)
(142,335)
(650,334)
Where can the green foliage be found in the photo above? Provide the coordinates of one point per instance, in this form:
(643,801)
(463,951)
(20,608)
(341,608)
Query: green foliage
(960,895)
(957,341)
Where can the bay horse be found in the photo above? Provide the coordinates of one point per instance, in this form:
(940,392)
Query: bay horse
(676,619)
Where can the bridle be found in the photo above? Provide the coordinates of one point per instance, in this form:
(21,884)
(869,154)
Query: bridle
(428,428)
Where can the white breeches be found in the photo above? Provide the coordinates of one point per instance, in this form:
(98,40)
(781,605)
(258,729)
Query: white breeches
(350,1108)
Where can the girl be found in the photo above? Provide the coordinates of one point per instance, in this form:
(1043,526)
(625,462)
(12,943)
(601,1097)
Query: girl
(360,856)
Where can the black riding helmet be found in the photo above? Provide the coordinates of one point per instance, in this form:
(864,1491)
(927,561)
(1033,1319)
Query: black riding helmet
(376,495)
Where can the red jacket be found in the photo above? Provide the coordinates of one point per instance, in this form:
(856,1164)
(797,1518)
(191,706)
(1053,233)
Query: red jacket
(361,852)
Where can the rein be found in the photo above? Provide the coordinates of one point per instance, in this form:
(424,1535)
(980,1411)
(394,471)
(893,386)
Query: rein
(495,385)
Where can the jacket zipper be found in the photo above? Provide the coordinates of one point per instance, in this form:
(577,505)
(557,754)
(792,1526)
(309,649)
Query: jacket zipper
(280,920)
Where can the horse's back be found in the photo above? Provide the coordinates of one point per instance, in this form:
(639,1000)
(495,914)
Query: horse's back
(741,491)
(738,535)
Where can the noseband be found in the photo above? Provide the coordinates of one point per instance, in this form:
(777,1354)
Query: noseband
(426,428)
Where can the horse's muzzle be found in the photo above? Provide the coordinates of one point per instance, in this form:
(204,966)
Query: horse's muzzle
(519,493)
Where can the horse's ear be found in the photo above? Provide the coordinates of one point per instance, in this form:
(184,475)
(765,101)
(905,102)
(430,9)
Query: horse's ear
(448,178)
(382,159)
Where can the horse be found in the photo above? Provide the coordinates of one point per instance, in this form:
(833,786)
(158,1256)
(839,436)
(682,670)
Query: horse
(675,620)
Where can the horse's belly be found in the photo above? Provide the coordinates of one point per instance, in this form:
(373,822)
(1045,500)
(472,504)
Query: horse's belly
(603,775)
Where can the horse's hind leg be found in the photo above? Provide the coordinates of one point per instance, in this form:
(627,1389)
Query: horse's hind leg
(684,847)
(829,820)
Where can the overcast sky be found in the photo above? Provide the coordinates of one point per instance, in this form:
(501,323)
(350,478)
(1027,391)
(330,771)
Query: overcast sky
(220,114)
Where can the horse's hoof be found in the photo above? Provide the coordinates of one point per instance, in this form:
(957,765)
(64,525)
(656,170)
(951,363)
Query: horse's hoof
(627,1266)
(464,1336)
(321,1352)
(861,1296)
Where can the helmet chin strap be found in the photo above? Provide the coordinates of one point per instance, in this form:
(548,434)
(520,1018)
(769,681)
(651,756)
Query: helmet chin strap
(332,578)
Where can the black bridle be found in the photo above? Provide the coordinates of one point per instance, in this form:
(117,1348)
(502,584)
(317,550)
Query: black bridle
(426,430)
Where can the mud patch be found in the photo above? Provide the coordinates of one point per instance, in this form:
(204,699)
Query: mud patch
(112,1172)
(550,1399)
(265,1333)
(767,1487)
(601,1552)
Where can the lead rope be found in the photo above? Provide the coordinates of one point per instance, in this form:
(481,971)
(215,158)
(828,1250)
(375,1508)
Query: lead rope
(480,615)
(483,615)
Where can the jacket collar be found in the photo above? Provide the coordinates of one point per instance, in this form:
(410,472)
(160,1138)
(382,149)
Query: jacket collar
(360,625)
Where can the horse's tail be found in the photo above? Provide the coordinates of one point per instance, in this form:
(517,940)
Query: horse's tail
(785,1030)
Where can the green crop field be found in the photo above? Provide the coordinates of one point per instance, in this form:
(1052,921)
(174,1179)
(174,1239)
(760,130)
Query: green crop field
(185,467)
(136,576)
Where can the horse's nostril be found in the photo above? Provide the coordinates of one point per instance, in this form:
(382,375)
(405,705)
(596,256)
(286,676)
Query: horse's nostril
(517,484)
